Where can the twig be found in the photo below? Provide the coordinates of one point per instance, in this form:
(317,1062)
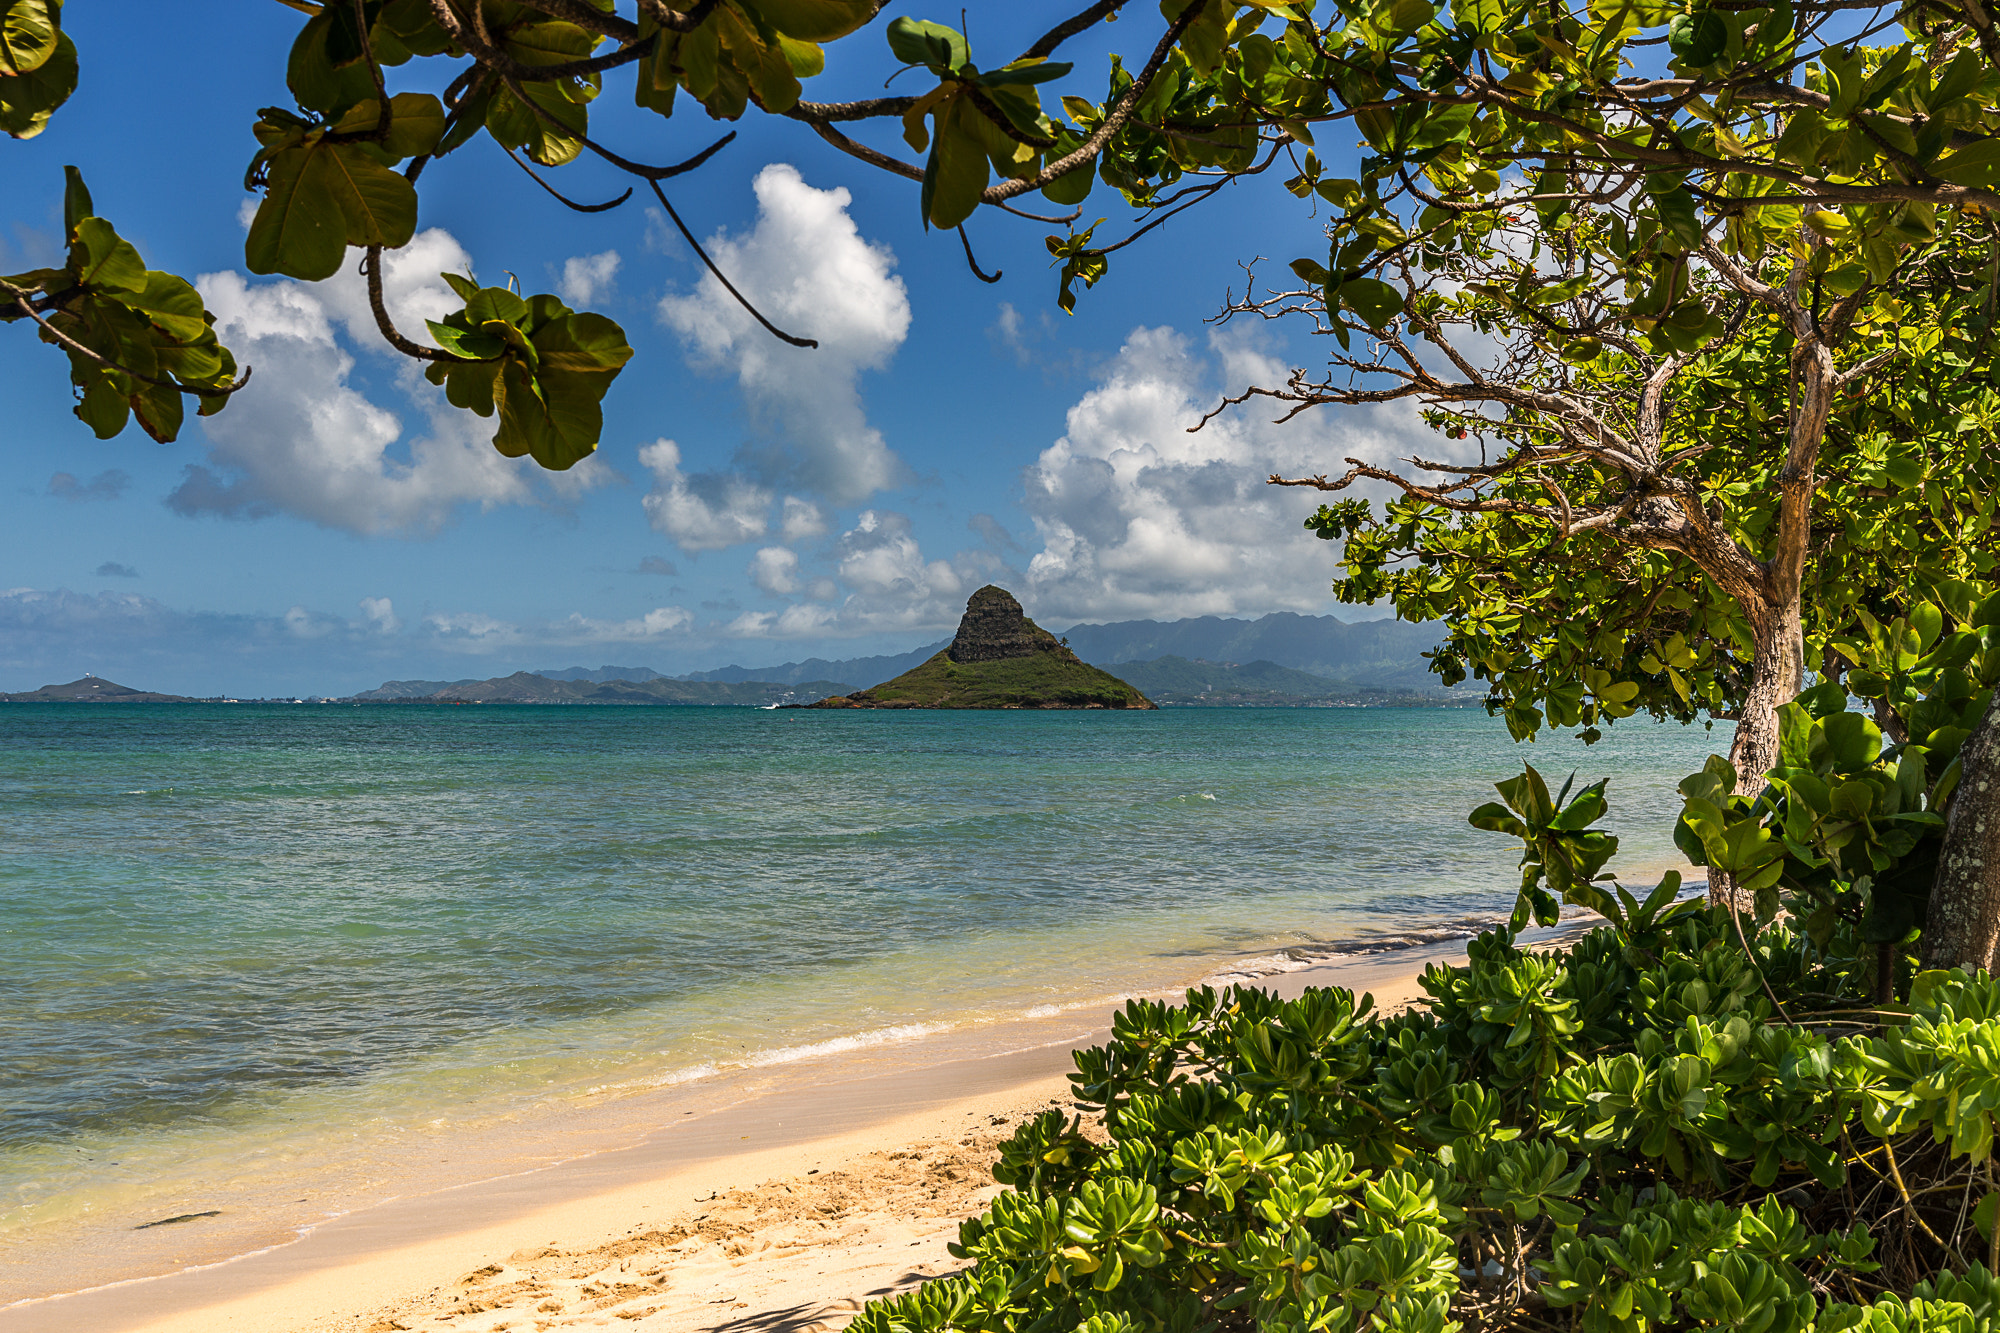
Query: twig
(22,297)
(371,268)
(1046,44)
(1113,122)
(1909,1207)
(977,272)
(565,199)
(720,277)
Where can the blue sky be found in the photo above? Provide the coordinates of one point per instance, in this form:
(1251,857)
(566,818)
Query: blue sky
(339,525)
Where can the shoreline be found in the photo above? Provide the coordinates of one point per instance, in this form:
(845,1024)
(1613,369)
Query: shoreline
(664,1150)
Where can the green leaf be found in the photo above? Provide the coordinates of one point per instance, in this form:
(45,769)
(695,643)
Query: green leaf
(475,344)
(1677,213)
(580,356)
(105,260)
(1024,72)
(1072,187)
(816,20)
(104,407)
(1488,18)
(325,70)
(300,229)
(958,169)
(416,123)
(1847,741)
(917,42)
(1374,300)
(1698,39)
(76,201)
(1977,165)
(548,43)
(172,305)
(28,100)
(159,411)
(1496,818)
(28,30)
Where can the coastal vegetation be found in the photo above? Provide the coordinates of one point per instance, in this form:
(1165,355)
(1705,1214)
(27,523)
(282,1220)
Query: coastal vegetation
(1683,1119)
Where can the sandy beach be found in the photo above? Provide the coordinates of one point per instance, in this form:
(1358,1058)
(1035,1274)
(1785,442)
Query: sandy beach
(781,1212)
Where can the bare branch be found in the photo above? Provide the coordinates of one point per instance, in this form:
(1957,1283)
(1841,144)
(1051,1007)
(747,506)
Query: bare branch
(972,263)
(668,17)
(721,277)
(588,17)
(1046,44)
(564,199)
(1868,367)
(371,269)
(820,112)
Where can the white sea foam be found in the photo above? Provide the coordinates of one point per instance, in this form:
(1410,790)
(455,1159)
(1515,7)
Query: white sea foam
(888,1036)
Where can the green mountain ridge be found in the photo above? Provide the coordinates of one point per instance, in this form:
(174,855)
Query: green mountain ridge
(1179,682)
(92,690)
(527,688)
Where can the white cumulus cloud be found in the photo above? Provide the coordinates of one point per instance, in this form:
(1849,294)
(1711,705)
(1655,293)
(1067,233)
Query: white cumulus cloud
(802,519)
(584,276)
(381,613)
(1140,518)
(704,511)
(775,570)
(807,268)
(304,439)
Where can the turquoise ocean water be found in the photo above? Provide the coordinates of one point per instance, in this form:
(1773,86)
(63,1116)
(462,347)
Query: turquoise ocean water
(229,928)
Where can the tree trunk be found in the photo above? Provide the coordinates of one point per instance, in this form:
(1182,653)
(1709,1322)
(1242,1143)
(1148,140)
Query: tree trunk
(1777,673)
(1963,928)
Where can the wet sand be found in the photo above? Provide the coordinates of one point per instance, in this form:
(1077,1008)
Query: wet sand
(766,1201)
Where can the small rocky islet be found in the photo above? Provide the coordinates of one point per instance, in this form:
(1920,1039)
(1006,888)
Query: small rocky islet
(999,659)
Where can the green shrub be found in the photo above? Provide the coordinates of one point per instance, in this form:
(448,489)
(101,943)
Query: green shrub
(1679,1120)
(1618,1135)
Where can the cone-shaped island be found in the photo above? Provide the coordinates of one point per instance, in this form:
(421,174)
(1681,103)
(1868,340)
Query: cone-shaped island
(1000,659)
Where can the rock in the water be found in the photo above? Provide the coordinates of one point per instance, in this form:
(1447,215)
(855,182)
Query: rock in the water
(1000,659)
(994,628)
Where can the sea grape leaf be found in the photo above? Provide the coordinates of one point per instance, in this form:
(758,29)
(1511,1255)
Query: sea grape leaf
(919,42)
(28,31)
(541,366)
(100,257)
(28,99)
(815,20)
(416,123)
(322,197)
(299,229)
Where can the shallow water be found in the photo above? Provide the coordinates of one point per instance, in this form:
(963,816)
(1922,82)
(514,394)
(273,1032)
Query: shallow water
(235,932)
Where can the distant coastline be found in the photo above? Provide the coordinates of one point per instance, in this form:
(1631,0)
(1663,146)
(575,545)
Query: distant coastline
(1282,660)
(1215,685)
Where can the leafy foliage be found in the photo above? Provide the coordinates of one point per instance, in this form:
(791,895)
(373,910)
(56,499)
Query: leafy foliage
(1846,833)
(37,65)
(1612,1136)
(137,338)
(1575,625)
(1561,847)
(543,367)
(977,120)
